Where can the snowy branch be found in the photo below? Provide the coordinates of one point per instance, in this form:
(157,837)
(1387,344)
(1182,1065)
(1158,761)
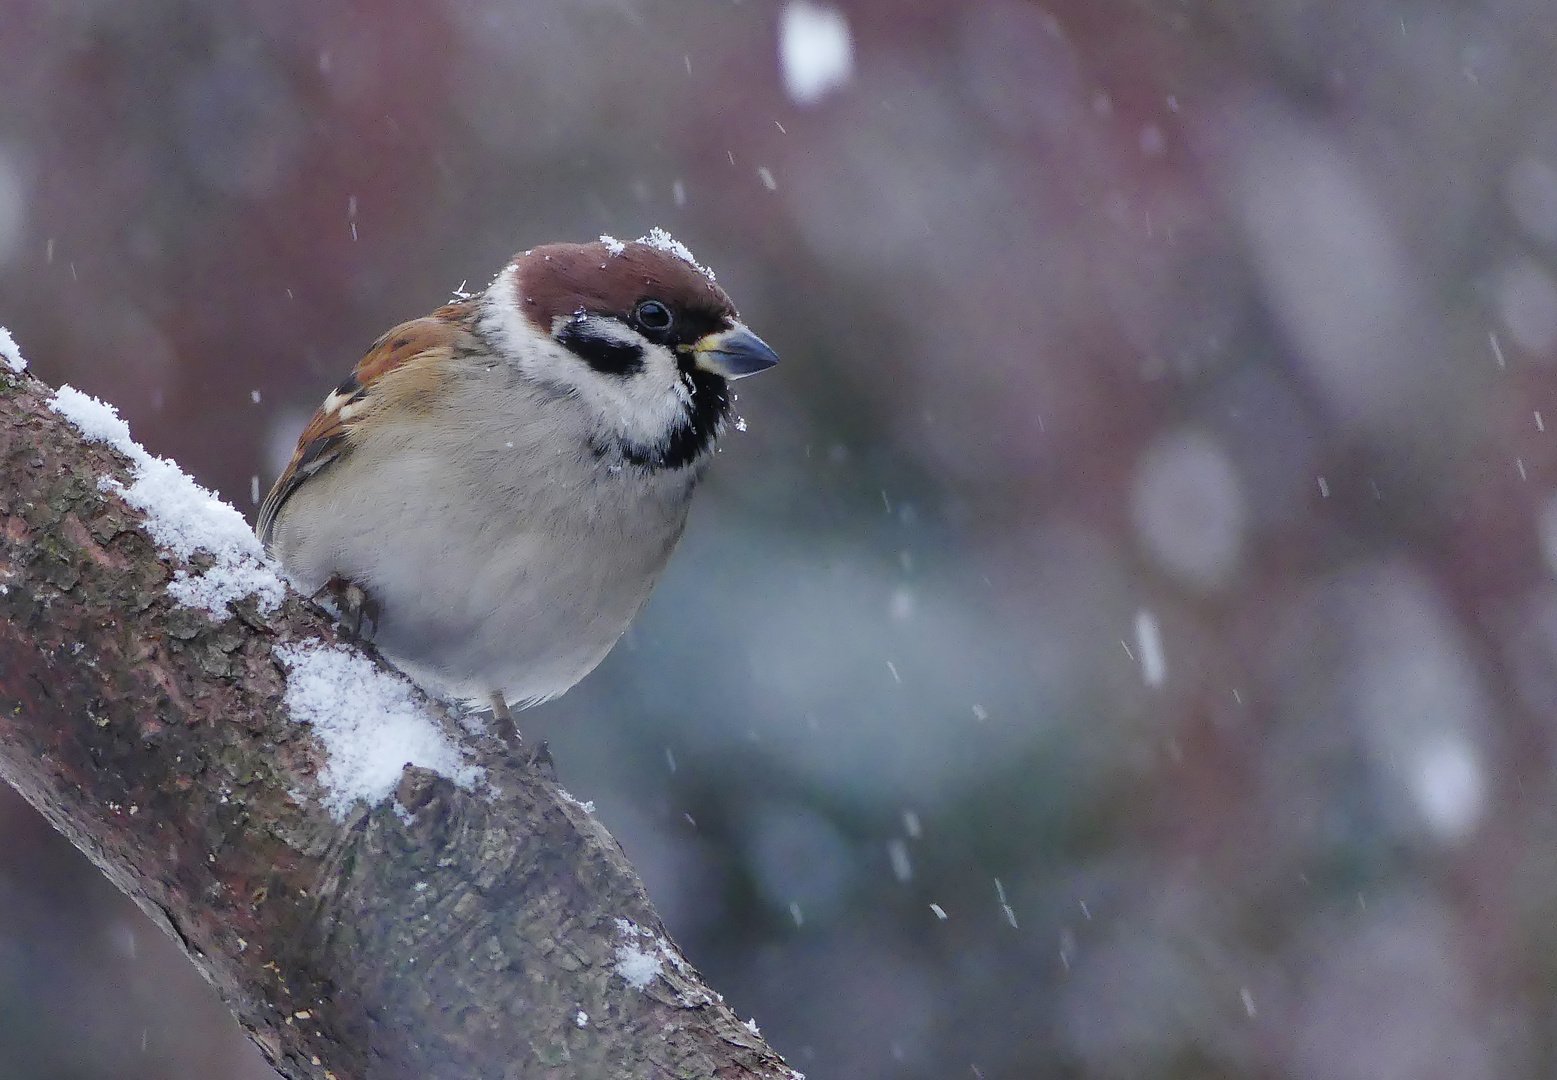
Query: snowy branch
(199,732)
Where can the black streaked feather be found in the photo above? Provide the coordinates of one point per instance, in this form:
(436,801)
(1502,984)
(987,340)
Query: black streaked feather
(692,437)
(314,456)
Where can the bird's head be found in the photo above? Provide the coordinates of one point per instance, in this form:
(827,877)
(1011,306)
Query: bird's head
(638,332)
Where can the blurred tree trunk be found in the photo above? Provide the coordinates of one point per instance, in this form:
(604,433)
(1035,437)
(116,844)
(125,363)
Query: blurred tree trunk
(451,935)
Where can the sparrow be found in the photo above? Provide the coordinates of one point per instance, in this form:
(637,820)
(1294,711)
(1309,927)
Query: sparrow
(497,486)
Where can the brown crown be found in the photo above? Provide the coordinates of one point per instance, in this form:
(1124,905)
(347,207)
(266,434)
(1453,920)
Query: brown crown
(562,279)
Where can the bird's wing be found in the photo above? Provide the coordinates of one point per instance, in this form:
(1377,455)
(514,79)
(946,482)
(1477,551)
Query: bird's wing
(403,364)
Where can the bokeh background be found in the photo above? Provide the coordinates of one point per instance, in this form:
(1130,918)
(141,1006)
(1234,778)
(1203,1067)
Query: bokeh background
(1123,642)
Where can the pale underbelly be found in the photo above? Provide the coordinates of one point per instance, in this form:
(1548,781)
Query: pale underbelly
(470,610)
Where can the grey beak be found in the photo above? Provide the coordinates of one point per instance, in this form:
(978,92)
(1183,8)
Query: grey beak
(734,353)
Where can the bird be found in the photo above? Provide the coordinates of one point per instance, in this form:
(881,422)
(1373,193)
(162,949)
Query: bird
(493,492)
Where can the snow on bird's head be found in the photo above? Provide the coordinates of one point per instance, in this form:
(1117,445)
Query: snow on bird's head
(661,240)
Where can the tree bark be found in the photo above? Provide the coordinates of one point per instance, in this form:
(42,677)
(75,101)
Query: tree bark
(442,933)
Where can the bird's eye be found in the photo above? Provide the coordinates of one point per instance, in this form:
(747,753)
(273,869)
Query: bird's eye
(652,315)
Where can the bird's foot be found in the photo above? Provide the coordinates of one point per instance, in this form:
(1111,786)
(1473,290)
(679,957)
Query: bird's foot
(355,605)
(503,721)
(538,760)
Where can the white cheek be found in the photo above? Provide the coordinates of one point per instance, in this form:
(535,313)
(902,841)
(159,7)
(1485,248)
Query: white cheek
(642,407)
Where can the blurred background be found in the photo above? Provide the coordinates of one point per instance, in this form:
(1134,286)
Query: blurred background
(1123,642)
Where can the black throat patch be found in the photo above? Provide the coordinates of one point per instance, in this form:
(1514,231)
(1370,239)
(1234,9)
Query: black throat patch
(692,436)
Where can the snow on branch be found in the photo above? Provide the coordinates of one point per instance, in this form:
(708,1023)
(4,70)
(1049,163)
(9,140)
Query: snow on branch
(375,891)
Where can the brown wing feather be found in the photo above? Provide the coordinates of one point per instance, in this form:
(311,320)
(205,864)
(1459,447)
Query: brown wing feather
(404,363)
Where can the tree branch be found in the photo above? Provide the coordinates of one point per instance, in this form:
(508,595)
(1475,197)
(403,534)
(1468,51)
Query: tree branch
(496,932)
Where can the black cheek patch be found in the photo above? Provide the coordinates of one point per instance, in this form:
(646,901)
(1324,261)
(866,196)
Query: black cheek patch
(604,355)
